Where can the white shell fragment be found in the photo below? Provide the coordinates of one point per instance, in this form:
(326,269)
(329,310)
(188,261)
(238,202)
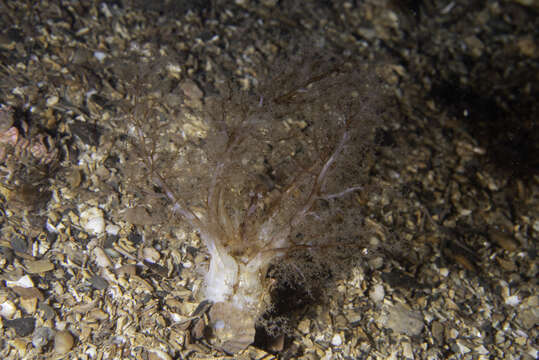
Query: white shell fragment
(7,309)
(112,229)
(156,354)
(336,340)
(100,55)
(512,300)
(23,281)
(92,221)
(101,258)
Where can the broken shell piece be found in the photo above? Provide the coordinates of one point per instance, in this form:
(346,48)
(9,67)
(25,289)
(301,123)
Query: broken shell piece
(101,258)
(156,354)
(336,340)
(233,329)
(23,281)
(7,309)
(151,255)
(93,221)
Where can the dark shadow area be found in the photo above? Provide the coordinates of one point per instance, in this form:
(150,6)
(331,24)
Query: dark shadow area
(510,134)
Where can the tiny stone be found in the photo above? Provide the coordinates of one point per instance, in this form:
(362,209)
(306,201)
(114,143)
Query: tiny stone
(191,90)
(304,326)
(353,317)
(74,178)
(138,216)
(521,340)
(39,266)
(150,254)
(53,100)
(129,269)
(444,272)
(481,350)
(377,293)
(28,293)
(404,321)
(21,346)
(23,326)
(376,263)
(63,342)
(506,241)
(48,311)
(461,346)
(438,332)
(499,337)
(407,350)
(19,244)
(536,225)
(453,334)
(512,300)
(100,56)
(528,318)
(98,282)
(42,336)
(98,314)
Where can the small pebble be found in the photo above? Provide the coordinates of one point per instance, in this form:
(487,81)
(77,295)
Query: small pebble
(74,178)
(503,239)
(150,254)
(23,326)
(377,293)
(98,282)
(63,342)
(444,272)
(191,90)
(407,352)
(42,336)
(39,266)
(304,326)
(512,300)
(404,321)
(112,229)
(100,55)
(536,225)
(53,100)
